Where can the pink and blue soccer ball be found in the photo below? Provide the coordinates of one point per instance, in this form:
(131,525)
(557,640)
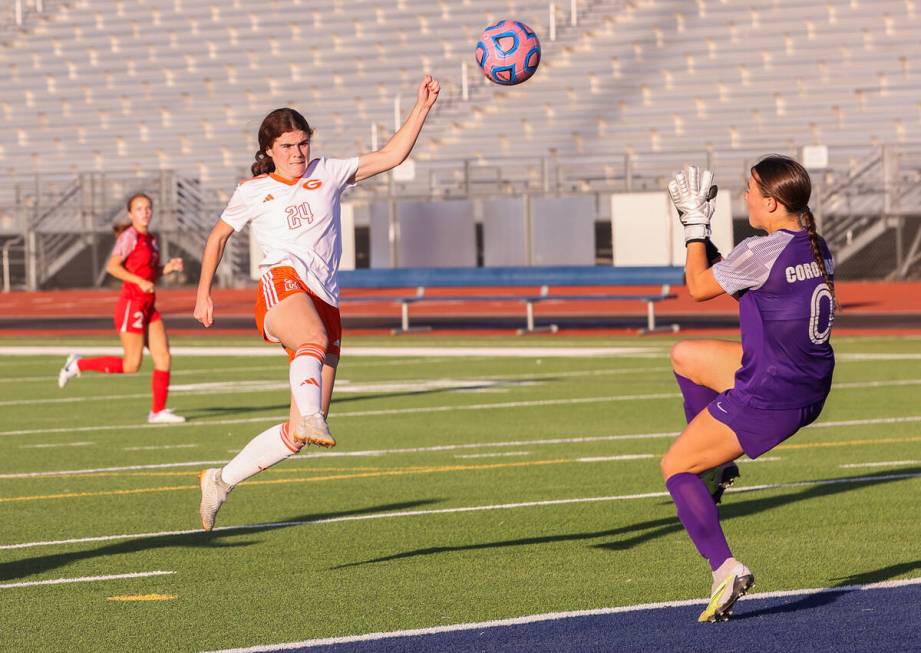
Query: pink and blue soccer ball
(508,52)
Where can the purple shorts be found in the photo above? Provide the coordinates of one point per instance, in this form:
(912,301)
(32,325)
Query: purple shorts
(761,429)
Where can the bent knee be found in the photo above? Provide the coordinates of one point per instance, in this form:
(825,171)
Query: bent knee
(669,466)
(682,357)
(131,367)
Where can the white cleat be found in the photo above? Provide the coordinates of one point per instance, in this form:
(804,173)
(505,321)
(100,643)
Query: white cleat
(165,416)
(69,371)
(730,583)
(214,493)
(313,429)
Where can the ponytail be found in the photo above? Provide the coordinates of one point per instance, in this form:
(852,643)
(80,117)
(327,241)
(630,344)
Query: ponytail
(808,221)
(262,165)
(119,228)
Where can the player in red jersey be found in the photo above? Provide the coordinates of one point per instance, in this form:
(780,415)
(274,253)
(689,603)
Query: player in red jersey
(135,261)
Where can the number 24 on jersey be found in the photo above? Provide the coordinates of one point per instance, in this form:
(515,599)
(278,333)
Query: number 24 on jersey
(298,214)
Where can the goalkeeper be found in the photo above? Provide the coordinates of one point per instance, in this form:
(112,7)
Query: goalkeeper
(749,397)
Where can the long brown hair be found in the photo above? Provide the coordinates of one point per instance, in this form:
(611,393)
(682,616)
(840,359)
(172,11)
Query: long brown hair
(278,122)
(119,227)
(788,182)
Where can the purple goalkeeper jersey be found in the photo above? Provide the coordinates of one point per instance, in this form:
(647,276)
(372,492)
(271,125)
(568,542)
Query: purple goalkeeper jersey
(785,319)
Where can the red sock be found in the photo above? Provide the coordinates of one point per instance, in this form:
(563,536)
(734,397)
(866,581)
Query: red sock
(104,364)
(159,383)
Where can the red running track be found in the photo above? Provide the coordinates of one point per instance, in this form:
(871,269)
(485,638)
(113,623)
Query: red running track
(855,298)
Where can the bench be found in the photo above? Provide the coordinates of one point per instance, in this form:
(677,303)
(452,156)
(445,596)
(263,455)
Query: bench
(544,278)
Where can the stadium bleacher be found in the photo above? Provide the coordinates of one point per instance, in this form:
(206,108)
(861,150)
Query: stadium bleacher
(123,85)
(623,97)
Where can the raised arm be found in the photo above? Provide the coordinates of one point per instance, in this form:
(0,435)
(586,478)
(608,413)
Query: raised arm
(214,251)
(401,144)
(694,197)
(698,275)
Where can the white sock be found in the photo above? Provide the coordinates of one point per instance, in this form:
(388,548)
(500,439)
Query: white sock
(266,449)
(306,379)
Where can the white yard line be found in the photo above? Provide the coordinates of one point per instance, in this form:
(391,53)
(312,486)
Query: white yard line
(493,455)
(186,372)
(394,351)
(86,579)
(556,616)
(437,448)
(889,463)
(446,511)
(55,446)
(247,387)
(100,470)
(343,386)
(859,358)
(602,459)
(363,413)
(157,447)
(877,384)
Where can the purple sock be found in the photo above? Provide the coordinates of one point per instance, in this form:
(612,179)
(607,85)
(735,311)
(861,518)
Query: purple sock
(696,397)
(701,520)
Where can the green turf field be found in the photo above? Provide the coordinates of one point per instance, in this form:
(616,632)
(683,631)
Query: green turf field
(463,489)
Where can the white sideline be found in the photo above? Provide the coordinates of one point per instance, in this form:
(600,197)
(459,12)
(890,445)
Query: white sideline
(86,579)
(446,511)
(420,409)
(553,616)
(492,455)
(98,470)
(888,463)
(447,447)
(361,413)
(345,387)
(394,351)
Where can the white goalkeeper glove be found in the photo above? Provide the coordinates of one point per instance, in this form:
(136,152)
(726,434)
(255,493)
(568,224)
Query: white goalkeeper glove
(695,198)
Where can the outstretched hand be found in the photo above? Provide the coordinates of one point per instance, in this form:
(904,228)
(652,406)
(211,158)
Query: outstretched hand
(694,197)
(428,92)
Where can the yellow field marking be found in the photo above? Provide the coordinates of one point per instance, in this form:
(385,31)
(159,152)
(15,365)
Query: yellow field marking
(408,471)
(286,481)
(194,472)
(142,597)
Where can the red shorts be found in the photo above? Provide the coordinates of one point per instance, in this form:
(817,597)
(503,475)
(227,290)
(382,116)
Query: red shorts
(133,314)
(278,283)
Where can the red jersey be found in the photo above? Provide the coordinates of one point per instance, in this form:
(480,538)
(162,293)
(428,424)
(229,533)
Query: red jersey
(140,255)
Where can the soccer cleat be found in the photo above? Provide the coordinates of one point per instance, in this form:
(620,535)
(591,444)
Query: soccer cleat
(214,493)
(730,582)
(313,429)
(719,478)
(165,416)
(69,371)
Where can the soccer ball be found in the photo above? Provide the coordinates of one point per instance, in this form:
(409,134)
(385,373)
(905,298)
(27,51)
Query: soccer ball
(508,52)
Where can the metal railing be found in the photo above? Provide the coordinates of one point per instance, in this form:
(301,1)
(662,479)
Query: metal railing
(865,198)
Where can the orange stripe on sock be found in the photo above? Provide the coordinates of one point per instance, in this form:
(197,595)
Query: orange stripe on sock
(293,446)
(312,354)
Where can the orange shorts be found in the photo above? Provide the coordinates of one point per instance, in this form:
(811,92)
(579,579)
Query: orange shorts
(278,283)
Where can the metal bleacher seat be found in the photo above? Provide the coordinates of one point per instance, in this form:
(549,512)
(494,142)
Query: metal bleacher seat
(143,83)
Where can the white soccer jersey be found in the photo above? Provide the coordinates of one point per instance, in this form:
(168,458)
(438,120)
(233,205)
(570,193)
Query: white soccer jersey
(297,223)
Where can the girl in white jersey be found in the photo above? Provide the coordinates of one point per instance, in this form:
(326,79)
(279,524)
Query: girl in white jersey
(292,206)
